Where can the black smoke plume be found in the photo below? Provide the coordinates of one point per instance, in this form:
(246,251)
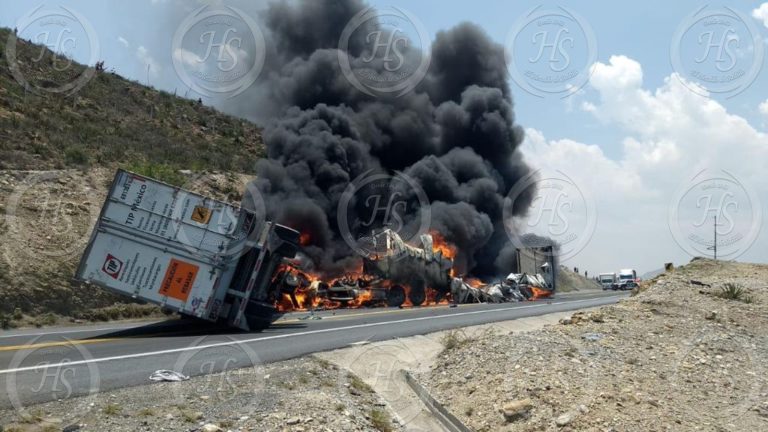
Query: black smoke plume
(455,134)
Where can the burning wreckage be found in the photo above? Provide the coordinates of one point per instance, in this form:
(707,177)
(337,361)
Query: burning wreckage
(210,260)
(397,274)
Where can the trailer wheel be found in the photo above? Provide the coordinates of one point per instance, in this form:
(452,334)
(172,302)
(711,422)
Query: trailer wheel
(259,316)
(417,295)
(396,296)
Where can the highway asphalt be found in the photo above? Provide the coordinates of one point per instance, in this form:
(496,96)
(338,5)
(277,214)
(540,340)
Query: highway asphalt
(40,365)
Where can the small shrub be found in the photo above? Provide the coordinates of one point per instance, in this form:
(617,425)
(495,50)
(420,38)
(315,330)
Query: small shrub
(162,172)
(359,384)
(32,417)
(146,412)
(17,314)
(112,409)
(75,156)
(48,319)
(381,421)
(190,416)
(5,322)
(731,291)
(454,339)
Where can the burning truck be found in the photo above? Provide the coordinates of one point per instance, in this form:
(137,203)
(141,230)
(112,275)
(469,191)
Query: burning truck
(210,260)
(394,273)
(397,274)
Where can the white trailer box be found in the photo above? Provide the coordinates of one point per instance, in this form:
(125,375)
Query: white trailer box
(180,250)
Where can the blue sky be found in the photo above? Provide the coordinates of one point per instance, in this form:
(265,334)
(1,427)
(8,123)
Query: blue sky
(133,34)
(640,30)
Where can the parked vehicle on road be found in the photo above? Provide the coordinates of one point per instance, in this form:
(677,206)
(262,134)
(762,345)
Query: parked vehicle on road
(607,280)
(627,274)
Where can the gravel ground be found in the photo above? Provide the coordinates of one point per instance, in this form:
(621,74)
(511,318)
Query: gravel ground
(674,357)
(305,394)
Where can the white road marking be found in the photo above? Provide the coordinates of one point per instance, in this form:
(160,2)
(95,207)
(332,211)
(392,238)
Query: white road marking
(266,338)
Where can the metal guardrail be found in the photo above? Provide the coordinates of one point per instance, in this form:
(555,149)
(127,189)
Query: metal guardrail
(448,420)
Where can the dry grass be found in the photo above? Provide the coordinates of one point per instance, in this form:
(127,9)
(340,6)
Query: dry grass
(112,120)
(381,421)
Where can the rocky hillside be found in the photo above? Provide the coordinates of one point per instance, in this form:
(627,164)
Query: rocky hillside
(689,352)
(568,281)
(111,120)
(58,154)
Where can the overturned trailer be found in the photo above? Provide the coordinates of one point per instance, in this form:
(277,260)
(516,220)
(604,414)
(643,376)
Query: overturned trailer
(187,253)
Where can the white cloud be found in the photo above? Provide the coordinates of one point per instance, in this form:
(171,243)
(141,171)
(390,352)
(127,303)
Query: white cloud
(148,61)
(123,41)
(187,57)
(761,13)
(670,134)
(764,108)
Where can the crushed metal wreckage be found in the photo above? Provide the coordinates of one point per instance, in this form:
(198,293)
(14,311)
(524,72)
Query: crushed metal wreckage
(397,274)
(515,288)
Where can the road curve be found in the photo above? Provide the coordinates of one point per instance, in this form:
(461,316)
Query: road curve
(42,365)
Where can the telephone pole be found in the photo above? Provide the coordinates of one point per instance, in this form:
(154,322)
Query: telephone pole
(714,246)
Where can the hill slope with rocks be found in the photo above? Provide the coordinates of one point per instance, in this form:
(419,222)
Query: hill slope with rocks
(688,352)
(58,154)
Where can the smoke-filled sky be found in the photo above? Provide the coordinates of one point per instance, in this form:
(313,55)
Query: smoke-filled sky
(632,139)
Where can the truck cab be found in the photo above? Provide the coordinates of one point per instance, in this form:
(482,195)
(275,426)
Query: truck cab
(607,280)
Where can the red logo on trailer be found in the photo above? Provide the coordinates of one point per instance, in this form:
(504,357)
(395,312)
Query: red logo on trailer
(112,266)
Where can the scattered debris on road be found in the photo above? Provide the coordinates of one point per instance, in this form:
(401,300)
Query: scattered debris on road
(167,375)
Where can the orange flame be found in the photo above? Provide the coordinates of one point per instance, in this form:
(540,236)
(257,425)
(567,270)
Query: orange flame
(440,244)
(539,293)
(474,282)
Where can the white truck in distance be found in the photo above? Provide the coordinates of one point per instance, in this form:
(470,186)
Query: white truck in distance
(607,280)
(627,279)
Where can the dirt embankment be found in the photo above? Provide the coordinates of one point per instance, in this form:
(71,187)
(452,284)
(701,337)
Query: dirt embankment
(689,352)
(568,281)
(300,395)
(46,218)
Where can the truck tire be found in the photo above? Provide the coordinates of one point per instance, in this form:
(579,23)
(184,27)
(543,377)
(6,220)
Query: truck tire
(259,316)
(417,295)
(396,296)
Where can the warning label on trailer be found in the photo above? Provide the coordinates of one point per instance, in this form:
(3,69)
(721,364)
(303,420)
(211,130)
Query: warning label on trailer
(201,215)
(178,280)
